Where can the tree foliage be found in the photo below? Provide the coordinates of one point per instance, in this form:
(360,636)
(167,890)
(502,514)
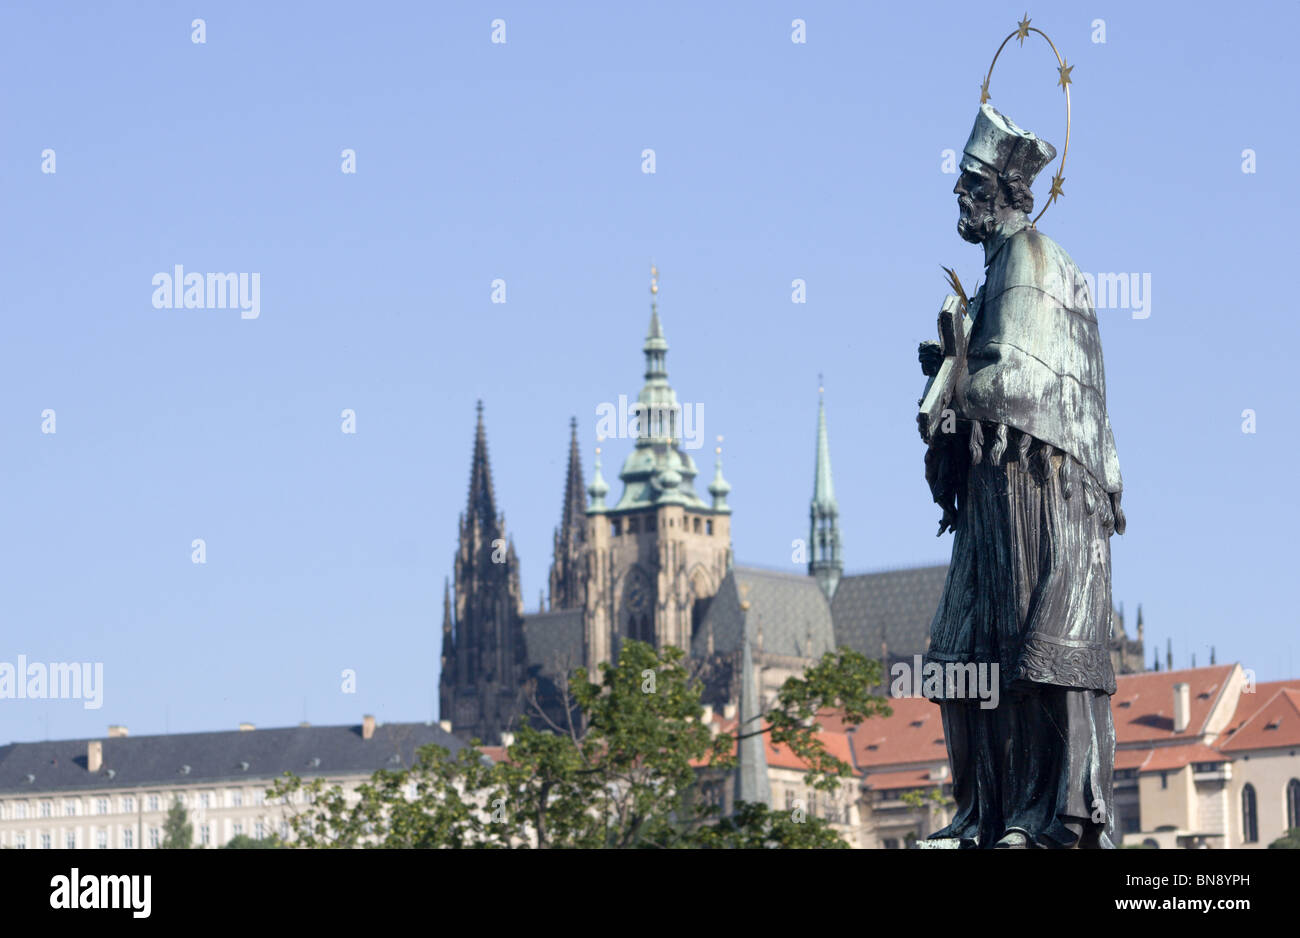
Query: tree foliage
(622,775)
(178,832)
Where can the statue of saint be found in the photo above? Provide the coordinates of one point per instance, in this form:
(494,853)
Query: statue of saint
(1029,481)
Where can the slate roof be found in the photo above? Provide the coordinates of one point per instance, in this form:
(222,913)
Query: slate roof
(895,606)
(788,609)
(60,765)
(551,637)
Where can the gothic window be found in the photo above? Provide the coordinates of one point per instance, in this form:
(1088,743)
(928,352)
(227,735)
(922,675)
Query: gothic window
(1293,803)
(1249,817)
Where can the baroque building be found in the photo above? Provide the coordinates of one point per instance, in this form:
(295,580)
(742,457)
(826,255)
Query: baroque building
(657,565)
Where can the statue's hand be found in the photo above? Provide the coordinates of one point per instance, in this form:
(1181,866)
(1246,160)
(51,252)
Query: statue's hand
(931,357)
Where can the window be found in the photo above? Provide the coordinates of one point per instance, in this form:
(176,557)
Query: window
(71,840)
(1164,779)
(128,804)
(20,810)
(259,796)
(205,800)
(153,837)
(708,527)
(284,830)
(101,805)
(128,838)
(20,842)
(152,803)
(891,843)
(101,840)
(614,528)
(631,525)
(259,830)
(47,808)
(237,829)
(70,808)
(236,798)
(1293,803)
(696,526)
(45,842)
(205,834)
(1249,817)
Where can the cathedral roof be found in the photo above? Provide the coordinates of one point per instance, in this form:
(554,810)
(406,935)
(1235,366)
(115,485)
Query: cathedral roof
(787,614)
(894,607)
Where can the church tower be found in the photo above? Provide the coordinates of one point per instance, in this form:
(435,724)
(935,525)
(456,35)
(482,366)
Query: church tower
(569,560)
(825,562)
(660,551)
(483,660)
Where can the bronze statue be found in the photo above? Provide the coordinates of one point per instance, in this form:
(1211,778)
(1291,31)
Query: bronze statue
(1023,463)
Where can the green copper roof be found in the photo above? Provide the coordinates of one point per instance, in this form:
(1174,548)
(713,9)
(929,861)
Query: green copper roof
(823,486)
(658,471)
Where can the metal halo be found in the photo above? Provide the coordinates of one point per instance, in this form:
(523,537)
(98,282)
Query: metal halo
(1060,169)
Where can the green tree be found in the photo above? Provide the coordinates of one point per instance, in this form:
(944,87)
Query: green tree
(244,842)
(178,832)
(621,775)
(1288,841)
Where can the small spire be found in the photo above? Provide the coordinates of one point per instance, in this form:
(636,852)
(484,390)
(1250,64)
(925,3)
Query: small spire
(1212,660)
(598,489)
(825,561)
(719,487)
(752,784)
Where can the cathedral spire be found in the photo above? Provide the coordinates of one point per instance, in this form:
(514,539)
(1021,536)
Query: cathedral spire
(482,501)
(658,471)
(824,562)
(568,564)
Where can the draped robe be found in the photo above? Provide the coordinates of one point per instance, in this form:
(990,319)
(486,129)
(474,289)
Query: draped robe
(1028,588)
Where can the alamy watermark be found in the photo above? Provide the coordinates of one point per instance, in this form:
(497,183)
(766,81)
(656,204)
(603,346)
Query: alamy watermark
(179,290)
(949,680)
(59,680)
(651,421)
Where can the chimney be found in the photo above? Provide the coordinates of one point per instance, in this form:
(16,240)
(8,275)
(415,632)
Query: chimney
(245,727)
(115,731)
(367,727)
(1182,706)
(707,716)
(445,725)
(729,711)
(94,755)
(507,739)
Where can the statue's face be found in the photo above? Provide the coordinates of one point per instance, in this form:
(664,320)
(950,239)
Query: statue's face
(976,192)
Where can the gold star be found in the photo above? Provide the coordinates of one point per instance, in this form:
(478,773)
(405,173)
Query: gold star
(1065,75)
(1022,29)
(1057,191)
(984,90)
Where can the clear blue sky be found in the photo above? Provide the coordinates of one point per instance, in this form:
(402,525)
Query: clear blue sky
(522,161)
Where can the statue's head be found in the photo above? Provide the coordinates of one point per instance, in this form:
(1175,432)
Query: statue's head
(998,167)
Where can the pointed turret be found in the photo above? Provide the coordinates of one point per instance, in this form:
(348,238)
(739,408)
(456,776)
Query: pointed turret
(719,487)
(824,561)
(448,653)
(568,567)
(598,489)
(1140,624)
(752,783)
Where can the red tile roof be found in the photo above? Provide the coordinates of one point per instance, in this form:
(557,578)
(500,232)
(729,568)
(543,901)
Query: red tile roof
(1276,723)
(1143,704)
(914,733)
(1248,704)
(911,778)
(1170,758)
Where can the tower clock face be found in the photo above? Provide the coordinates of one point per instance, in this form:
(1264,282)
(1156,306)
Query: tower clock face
(637,597)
